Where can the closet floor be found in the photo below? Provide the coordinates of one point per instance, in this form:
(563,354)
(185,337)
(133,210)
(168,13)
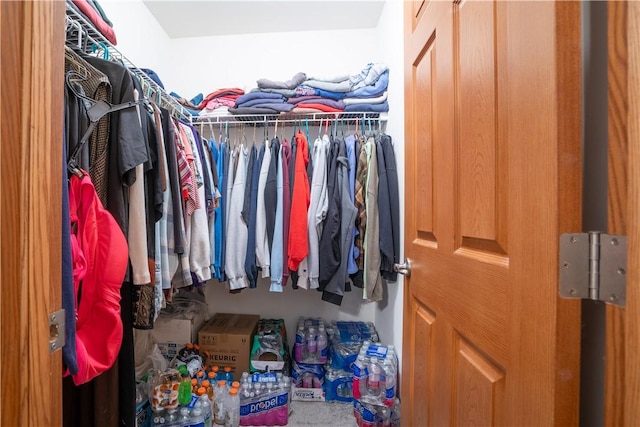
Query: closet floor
(321,414)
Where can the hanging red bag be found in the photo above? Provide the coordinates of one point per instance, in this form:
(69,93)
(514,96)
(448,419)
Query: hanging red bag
(100,258)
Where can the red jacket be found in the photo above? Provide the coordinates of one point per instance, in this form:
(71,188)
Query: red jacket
(298,233)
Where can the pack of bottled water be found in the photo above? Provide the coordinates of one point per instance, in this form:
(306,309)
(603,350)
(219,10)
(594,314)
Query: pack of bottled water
(338,385)
(375,373)
(311,345)
(307,375)
(368,415)
(264,399)
(345,341)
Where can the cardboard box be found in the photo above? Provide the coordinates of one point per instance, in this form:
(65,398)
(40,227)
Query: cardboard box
(228,338)
(172,334)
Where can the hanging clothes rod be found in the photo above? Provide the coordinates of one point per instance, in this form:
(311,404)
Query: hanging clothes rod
(264,119)
(88,38)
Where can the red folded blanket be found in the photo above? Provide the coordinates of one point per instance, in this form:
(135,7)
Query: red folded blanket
(95,18)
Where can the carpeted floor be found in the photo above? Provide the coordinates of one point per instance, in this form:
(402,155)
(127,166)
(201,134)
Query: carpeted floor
(321,414)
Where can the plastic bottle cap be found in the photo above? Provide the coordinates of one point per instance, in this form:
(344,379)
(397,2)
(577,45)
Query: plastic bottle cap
(227,368)
(201,391)
(206,383)
(200,374)
(233,391)
(222,383)
(196,346)
(188,345)
(235,384)
(215,368)
(194,382)
(211,374)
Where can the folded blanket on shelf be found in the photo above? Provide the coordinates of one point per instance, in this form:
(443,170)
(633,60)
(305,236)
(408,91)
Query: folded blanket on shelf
(289,84)
(284,92)
(375,89)
(259,101)
(321,107)
(297,99)
(94,16)
(253,110)
(257,95)
(329,102)
(376,100)
(368,108)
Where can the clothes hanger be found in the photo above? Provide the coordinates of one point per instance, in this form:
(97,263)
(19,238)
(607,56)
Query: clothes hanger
(95,112)
(211,130)
(255,125)
(101,46)
(243,138)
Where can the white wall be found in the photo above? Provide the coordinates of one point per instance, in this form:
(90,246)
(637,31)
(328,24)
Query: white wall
(202,65)
(388,315)
(140,38)
(211,63)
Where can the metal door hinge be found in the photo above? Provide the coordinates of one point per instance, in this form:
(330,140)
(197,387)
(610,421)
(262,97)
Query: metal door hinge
(56,330)
(593,266)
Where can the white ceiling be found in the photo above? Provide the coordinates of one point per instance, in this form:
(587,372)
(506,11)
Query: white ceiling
(222,17)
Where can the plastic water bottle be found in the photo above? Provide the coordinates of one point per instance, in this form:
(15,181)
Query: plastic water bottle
(359,376)
(391,353)
(312,344)
(374,378)
(390,383)
(298,348)
(287,387)
(228,373)
(184,419)
(157,418)
(385,414)
(218,402)
(246,390)
(207,410)
(197,417)
(211,376)
(233,411)
(200,377)
(322,345)
(395,414)
(245,377)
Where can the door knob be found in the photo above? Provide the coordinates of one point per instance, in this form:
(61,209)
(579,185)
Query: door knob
(404,268)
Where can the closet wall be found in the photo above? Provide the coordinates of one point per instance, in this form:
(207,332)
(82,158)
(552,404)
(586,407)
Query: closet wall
(200,65)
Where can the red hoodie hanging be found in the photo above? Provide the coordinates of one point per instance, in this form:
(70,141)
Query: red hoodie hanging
(100,257)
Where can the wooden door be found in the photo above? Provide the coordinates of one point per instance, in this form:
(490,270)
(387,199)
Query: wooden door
(622,377)
(31,48)
(493,177)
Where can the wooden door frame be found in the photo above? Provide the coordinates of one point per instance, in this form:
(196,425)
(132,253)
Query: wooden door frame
(32,43)
(543,331)
(622,330)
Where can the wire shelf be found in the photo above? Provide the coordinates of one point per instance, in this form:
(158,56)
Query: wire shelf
(82,34)
(284,118)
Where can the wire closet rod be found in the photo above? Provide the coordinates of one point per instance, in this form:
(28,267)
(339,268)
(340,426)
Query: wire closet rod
(250,119)
(86,29)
